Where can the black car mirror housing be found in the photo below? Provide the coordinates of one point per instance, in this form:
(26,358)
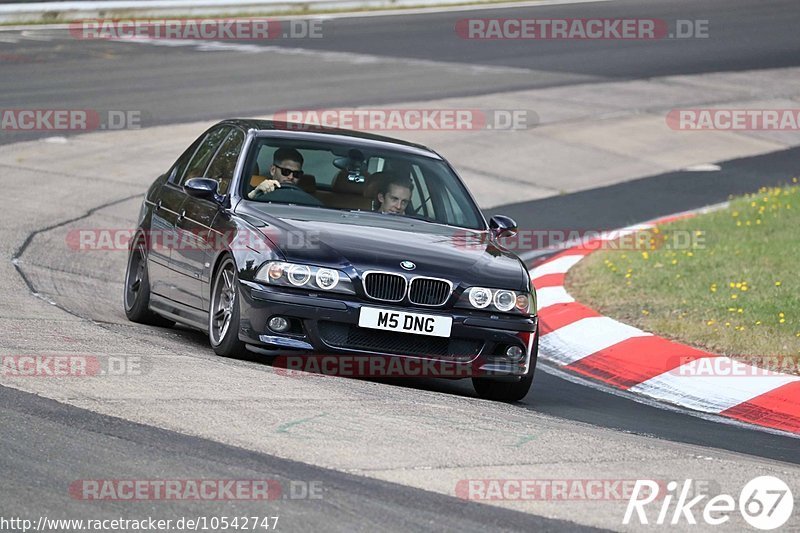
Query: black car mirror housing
(502,226)
(204,188)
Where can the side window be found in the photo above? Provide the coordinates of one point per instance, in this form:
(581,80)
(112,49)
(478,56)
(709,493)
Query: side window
(199,163)
(318,163)
(222,167)
(177,170)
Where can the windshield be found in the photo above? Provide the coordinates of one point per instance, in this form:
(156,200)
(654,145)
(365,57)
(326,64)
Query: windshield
(335,175)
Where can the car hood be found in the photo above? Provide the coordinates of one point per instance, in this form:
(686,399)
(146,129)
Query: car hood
(358,241)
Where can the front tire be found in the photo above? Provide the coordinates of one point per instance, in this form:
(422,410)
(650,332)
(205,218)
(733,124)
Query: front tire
(503,391)
(136,296)
(223,315)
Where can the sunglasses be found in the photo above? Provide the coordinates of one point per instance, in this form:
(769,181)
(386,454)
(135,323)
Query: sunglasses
(287,171)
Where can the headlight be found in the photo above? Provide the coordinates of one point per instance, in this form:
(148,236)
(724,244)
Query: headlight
(504,300)
(480,297)
(327,278)
(299,275)
(501,300)
(304,277)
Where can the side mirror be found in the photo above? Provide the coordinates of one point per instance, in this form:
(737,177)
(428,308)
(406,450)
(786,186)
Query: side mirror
(204,188)
(502,226)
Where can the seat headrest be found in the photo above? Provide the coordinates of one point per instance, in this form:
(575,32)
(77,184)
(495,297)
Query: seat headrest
(343,185)
(308,183)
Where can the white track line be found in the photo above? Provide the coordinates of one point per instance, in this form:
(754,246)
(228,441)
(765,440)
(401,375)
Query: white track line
(585,337)
(658,404)
(710,394)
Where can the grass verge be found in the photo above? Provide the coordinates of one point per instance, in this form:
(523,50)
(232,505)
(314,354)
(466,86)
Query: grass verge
(725,281)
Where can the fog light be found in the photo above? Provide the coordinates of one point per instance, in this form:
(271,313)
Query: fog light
(514,352)
(279,324)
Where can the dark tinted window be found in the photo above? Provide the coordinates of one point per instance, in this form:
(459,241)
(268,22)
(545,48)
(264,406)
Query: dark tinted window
(222,167)
(177,170)
(199,163)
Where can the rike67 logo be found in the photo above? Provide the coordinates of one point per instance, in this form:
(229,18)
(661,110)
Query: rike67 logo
(765,503)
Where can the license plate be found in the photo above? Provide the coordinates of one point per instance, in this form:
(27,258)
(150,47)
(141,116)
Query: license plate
(436,326)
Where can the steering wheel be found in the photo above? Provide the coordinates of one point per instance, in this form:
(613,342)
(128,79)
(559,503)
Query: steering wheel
(290,186)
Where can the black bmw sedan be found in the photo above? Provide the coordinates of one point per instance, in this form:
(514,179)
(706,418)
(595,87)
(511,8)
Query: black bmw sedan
(287,239)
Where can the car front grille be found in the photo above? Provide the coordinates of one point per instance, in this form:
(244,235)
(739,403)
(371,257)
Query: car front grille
(385,286)
(350,336)
(429,291)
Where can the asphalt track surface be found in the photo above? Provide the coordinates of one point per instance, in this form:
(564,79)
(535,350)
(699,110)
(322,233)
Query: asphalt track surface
(82,441)
(175,84)
(75,74)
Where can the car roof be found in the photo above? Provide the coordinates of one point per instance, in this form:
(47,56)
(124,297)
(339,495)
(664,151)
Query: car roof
(319,133)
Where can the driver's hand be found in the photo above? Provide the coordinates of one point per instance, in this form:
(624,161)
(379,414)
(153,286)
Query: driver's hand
(264,187)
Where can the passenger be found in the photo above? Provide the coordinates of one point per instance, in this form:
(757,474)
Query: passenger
(394,194)
(287,168)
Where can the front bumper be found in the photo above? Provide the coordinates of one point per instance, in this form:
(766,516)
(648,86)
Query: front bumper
(329,326)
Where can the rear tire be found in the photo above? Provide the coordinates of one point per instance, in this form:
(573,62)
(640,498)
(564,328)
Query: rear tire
(223,313)
(136,295)
(504,391)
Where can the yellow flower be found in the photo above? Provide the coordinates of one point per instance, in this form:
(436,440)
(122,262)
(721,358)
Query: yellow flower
(782,320)
(734,296)
(710,323)
(645,312)
(744,287)
(777,283)
(781,315)
(645,255)
(674,261)
(758,322)
(740,310)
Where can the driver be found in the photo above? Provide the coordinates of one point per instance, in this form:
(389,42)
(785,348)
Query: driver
(287,168)
(394,194)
